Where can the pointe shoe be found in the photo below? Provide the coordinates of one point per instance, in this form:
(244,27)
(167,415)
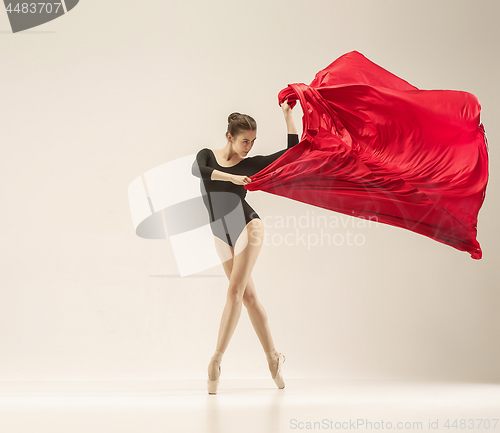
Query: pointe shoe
(278,379)
(212,385)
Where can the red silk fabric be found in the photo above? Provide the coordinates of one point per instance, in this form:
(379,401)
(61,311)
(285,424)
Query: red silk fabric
(374,146)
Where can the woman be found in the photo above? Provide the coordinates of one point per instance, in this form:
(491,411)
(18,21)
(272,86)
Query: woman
(238,231)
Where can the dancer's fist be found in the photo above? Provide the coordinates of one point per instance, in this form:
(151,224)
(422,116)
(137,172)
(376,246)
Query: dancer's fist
(285,107)
(240,180)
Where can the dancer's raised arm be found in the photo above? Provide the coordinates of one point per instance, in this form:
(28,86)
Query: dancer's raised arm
(287,112)
(262,161)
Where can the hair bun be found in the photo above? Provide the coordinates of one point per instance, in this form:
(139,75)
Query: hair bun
(237,122)
(233,116)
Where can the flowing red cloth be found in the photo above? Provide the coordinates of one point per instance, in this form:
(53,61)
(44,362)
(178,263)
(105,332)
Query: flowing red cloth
(374,146)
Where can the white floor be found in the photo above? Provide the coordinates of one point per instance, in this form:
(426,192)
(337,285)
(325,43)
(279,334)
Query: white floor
(248,406)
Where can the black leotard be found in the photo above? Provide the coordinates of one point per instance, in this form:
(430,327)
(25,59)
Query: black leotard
(223,198)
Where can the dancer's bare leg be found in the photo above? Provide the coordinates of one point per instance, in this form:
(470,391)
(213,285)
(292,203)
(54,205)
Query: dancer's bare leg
(256,312)
(246,252)
(258,317)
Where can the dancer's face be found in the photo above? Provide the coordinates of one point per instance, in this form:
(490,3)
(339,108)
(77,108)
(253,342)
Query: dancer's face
(243,142)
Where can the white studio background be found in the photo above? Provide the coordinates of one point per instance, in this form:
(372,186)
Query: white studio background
(94,99)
